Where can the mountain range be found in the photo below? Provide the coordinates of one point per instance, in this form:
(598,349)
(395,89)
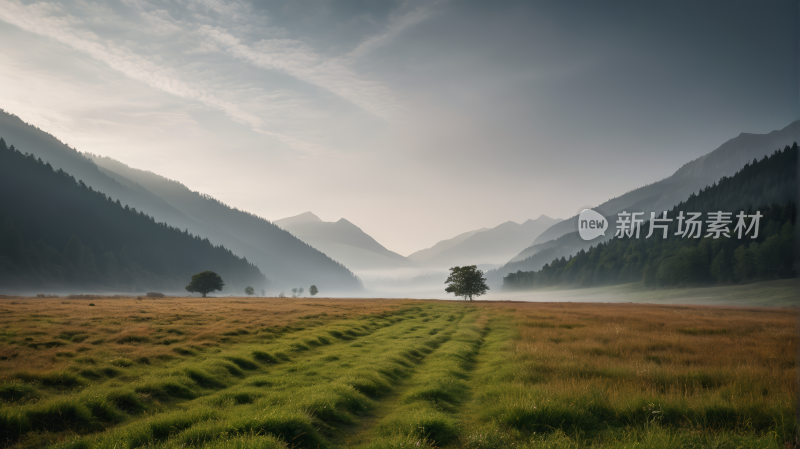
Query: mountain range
(484,246)
(304,250)
(726,160)
(344,242)
(562,240)
(284,259)
(762,251)
(58,233)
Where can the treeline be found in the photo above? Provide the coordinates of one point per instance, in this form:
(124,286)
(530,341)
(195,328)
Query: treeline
(56,232)
(683,261)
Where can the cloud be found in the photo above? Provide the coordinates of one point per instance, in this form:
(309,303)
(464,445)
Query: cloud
(185,50)
(397,24)
(51,21)
(297,59)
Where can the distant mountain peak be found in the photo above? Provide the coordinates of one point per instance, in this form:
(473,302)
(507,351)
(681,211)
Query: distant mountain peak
(305,217)
(543,219)
(483,245)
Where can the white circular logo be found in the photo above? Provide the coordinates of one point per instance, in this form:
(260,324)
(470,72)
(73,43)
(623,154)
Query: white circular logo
(591,224)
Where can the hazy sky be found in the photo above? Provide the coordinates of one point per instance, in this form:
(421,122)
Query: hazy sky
(414,120)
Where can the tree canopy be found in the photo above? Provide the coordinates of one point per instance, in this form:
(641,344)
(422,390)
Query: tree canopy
(56,232)
(205,282)
(466,281)
(767,187)
(313,290)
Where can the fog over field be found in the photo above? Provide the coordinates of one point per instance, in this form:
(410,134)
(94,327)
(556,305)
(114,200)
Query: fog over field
(368,147)
(384,224)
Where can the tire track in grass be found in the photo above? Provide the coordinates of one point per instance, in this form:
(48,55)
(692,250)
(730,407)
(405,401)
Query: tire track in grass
(360,433)
(425,412)
(334,400)
(490,376)
(311,401)
(230,403)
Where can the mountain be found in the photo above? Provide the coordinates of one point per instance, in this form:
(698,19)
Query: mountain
(561,240)
(691,177)
(343,241)
(768,186)
(278,253)
(59,233)
(305,217)
(286,260)
(484,246)
(429,253)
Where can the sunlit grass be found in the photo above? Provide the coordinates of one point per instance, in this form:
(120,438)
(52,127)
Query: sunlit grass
(388,373)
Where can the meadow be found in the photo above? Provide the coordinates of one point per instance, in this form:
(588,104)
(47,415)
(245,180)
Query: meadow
(376,373)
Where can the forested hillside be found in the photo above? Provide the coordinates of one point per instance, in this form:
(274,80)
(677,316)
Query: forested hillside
(287,260)
(769,185)
(561,239)
(692,176)
(284,259)
(58,233)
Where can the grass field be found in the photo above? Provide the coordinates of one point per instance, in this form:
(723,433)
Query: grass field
(335,373)
(775,293)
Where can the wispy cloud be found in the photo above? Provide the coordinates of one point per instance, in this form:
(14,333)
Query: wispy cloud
(150,43)
(397,24)
(297,59)
(52,21)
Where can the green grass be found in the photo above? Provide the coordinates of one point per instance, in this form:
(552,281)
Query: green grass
(425,375)
(777,293)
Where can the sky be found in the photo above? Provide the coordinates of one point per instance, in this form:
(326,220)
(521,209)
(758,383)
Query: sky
(416,121)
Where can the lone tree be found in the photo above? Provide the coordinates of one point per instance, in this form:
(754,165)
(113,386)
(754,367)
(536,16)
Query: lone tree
(300,291)
(313,290)
(205,282)
(249,290)
(467,281)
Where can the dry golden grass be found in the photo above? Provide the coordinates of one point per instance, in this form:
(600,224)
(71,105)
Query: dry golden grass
(686,357)
(44,334)
(576,374)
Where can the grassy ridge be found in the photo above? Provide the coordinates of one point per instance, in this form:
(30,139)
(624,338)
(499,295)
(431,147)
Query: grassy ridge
(403,374)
